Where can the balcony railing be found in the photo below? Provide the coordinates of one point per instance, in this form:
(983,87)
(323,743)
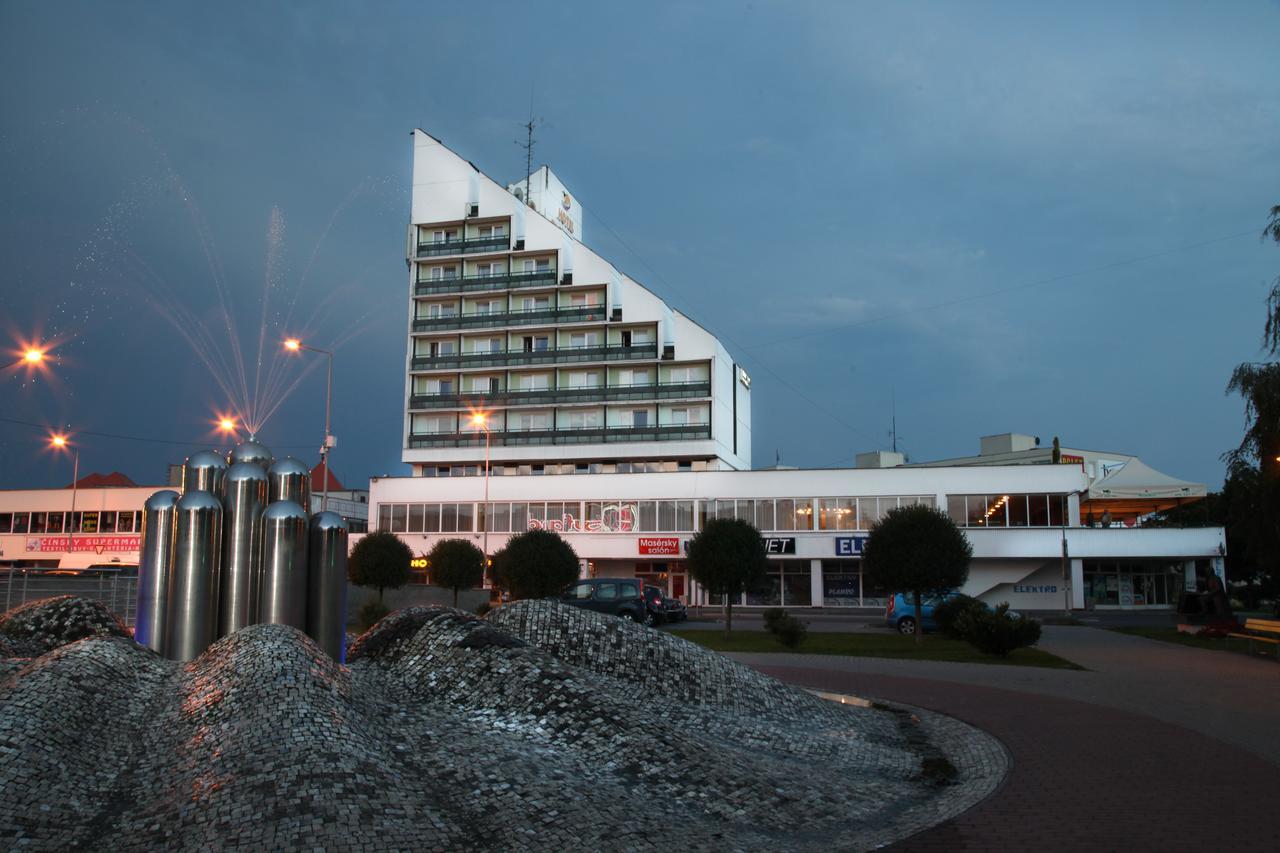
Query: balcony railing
(464,246)
(591,435)
(542,396)
(531,317)
(480,283)
(564,355)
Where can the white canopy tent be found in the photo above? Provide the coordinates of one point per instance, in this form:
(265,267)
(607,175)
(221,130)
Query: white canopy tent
(1138,489)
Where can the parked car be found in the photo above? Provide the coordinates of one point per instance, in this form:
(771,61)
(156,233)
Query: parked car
(676,611)
(900,612)
(616,596)
(656,605)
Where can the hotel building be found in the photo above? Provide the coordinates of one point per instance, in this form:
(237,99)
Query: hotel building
(619,422)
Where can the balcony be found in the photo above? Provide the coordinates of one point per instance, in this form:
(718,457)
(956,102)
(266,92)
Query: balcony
(464,246)
(481,283)
(510,358)
(545,396)
(532,317)
(590,435)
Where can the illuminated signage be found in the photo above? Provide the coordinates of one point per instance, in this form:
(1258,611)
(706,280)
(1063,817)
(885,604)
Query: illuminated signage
(744,379)
(1035,590)
(659,545)
(850,546)
(779,544)
(418,563)
(1071,459)
(96,544)
(614,518)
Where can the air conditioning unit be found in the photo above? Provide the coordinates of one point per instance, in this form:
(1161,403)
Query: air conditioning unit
(473,210)
(567,278)
(668,352)
(520,245)
(616,316)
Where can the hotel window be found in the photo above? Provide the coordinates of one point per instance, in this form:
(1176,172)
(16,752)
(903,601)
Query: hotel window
(838,514)
(399,517)
(1007,510)
(535,303)
(582,419)
(417,513)
(648,516)
(681,376)
(640,417)
(581,340)
(489,270)
(491,230)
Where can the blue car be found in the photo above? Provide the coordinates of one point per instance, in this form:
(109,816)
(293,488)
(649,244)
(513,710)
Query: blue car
(900,612)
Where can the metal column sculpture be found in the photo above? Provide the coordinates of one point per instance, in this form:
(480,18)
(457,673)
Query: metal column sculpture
(192,620)
(327,584)
(220,557)
(159,526)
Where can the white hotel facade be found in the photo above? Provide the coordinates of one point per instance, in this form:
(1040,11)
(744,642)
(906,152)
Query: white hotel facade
(624,425)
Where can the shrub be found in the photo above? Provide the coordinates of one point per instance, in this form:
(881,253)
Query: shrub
(535,564)
(456,564)
(995,632)
(789,630)
(947,613)
(772,617)
(380,560)
(369,614)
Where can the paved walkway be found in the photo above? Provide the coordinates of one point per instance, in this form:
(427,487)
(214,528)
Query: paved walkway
(1159,747)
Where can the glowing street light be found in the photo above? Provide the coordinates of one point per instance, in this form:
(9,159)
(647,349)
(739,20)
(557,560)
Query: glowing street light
(227,425)
(294,345)
(60,441)
(33,355)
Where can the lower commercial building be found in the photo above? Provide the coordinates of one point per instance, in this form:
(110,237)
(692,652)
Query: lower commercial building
(1045,536)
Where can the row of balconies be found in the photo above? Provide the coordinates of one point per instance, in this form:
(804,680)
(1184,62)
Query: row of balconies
(542,396)
(589,435)
(464,245)
(492,281)
(515,317)
(562,355)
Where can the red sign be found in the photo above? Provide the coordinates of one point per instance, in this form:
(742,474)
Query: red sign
(96,544)
(660,545)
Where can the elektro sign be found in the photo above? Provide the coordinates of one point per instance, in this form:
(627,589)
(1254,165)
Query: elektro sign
(850,546)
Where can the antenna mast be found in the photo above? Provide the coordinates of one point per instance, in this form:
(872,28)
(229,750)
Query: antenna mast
(528,157)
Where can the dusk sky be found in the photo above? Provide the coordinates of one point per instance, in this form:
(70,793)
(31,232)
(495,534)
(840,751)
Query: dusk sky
(987,217)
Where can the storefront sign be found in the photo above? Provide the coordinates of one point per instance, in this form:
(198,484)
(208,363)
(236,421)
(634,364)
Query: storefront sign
(1034,590)
(96,544)
(614,518)
(418,563)
(659,545)
(850,546)
(779,545)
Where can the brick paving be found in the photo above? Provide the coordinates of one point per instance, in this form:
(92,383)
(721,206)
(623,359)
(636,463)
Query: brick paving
(1084,777)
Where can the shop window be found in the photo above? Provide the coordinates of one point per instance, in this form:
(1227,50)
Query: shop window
(431,518)
(466,512)
(88,522)
(56,519)
(448,518)
(684,515)
(107,522)
(37,522)
(417,512)
(384,517)
(124,522)
(399,517)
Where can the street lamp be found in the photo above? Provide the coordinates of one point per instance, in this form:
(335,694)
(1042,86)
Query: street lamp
(294,345)
(33,356)
(60,442)
(481,419)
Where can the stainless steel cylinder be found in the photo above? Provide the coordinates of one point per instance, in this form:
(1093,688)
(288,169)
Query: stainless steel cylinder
(204,472)
(250,451)
(283,595)
(191,623)
(246,500)
(155,566)
(290,481)
(327,584)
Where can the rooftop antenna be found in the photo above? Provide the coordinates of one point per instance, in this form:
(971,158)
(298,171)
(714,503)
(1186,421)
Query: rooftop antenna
(893,418)
(527,145)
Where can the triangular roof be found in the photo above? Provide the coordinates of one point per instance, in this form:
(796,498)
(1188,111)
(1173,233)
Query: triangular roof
(1139,481)
(114,480)
(317,481)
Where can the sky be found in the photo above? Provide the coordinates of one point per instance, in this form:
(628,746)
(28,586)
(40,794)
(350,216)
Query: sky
(964,219)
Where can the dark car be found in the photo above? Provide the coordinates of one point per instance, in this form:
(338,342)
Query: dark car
(656,604)
(676,611)
(615,596)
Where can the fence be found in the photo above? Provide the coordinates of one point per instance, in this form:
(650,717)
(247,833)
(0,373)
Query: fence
(119,592)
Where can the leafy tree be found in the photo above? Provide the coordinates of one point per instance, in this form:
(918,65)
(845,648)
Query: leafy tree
(456,564)
(1253,468)
(379,560)
(917,549)
(535,564)
(727,557)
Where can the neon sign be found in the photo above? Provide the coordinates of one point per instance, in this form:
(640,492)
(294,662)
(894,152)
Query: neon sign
(614,518)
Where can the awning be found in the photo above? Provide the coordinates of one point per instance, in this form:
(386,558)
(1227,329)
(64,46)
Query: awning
(1138,489)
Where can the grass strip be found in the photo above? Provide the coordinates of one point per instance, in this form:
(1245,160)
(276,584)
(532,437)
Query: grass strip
(934,647)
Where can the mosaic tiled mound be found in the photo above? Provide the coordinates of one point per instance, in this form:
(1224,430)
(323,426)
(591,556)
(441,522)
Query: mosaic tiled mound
(541,727)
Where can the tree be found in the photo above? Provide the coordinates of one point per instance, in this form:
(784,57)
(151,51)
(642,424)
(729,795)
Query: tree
(1253,468)
(916,549)
(456,564)
(727,557)
(535,564)
(379,560)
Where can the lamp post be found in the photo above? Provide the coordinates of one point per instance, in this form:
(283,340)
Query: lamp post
(481,420)
(293,345)
(60,442)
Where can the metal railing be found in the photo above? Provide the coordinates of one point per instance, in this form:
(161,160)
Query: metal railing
(493,319)
(497,281)
(119,592)
(543,356)
(591,435)
(427,249)
(612,393)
